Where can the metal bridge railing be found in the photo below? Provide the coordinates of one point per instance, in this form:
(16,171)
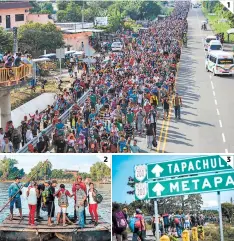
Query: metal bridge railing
(50,129)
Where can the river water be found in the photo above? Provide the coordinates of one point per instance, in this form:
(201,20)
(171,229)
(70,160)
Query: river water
(104,208)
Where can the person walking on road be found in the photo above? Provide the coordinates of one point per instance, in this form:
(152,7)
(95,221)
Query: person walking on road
(119,221)
(177,103)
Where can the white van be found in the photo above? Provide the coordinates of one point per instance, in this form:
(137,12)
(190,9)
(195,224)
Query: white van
(207,41)
(215,45)
(116,46)
(220,63)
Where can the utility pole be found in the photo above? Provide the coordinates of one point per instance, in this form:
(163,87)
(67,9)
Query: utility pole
(83,15)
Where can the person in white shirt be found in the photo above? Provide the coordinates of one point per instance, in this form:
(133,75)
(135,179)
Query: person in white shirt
(32,194)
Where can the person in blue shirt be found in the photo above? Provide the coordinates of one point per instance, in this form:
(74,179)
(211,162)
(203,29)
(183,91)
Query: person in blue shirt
(177,220)
(14,192)
(121,144)
(133,96)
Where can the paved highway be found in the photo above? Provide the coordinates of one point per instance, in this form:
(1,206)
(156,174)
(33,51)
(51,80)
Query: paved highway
(207,114)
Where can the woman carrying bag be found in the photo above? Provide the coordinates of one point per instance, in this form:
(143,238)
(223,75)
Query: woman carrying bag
(93,199)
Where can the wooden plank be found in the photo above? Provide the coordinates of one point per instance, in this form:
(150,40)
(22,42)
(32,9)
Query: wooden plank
(103,226)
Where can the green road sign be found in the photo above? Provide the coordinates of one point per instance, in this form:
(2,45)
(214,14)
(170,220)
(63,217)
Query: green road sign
(184,186)
(183,167)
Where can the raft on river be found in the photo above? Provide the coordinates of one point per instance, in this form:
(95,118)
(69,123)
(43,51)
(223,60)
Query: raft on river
(17,230)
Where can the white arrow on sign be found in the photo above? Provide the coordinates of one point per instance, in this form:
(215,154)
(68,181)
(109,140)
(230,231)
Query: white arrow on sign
(157,170)
(158,188)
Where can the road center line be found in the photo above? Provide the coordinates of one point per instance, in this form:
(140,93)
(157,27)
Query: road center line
(215,102)
(212,85)
(217,111)
(220,123)
(213,93)
(224,140)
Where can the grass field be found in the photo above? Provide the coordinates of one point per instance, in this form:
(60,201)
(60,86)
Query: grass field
(22,95)
(218,27)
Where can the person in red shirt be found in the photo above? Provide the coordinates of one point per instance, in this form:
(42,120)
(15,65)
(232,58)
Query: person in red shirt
(83,187)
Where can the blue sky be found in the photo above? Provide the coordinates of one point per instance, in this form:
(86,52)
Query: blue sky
(79,162)
(122,168)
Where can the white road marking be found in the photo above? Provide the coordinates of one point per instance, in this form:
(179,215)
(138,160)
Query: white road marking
(210,76)
(217,111)
(213,93)
(226,150)
(215,102)
(224,140)
(220,123)
(212,85)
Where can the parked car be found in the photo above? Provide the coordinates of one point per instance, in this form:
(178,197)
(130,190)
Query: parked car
(116,46)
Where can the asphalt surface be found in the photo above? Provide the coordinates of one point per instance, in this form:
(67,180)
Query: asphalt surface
(206,124)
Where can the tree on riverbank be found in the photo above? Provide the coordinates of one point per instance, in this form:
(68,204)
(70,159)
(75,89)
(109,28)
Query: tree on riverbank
(99,170)
(8,171)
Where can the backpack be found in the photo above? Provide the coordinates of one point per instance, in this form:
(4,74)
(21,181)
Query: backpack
(63,201)
(98,198)
(176,221)
(134,224)
(154,142)
(120,220)
(45,195)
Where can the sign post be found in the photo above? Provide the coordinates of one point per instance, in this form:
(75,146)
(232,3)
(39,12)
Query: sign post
(220,217)
(156,219)
(60,54)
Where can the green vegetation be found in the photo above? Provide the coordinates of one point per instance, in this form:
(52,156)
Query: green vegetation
(228,211)
(116,11)
(99,170)
(36,37)
(8,171)
(6,40)
(43,170)
(212,233)
(42,7)
(220,13)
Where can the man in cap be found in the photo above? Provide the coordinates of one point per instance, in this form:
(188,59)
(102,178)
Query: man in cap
(80,199)
(82,185)
(140,230)
(14,192)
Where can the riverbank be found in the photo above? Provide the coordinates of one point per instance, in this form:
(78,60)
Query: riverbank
(217,26)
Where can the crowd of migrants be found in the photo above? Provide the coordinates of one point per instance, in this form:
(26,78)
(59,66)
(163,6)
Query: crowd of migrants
(171,224)
(125,91)
(41,197)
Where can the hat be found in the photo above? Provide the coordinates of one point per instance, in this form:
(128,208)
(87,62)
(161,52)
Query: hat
(138,211)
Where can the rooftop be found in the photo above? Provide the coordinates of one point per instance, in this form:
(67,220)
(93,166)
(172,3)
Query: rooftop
(15,4)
